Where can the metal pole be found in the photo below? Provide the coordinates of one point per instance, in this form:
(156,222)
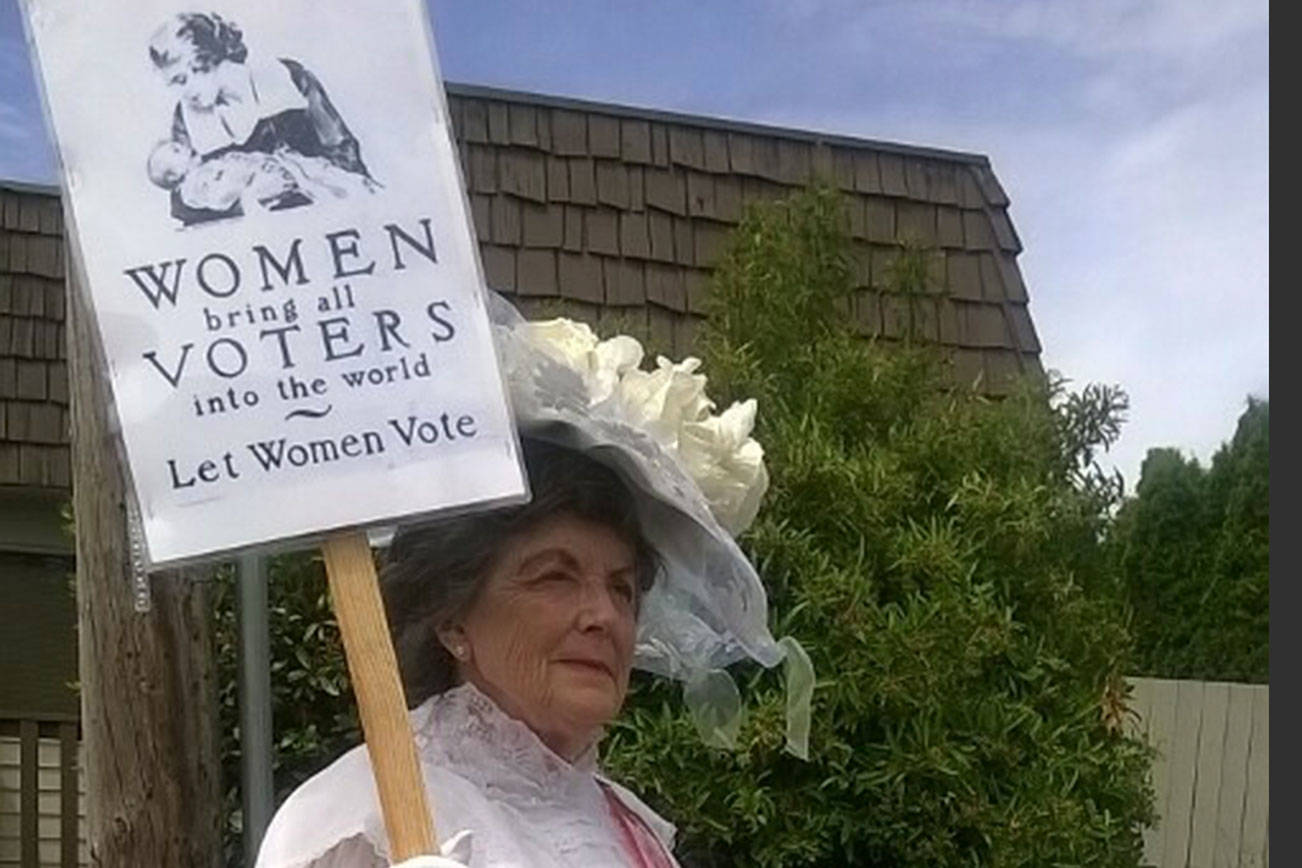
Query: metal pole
(255,704)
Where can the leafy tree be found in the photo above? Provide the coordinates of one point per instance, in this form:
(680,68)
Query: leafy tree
(1192,549)
(932,549)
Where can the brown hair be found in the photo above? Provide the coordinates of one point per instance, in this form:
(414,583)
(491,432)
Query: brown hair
(433,572)
(214,39)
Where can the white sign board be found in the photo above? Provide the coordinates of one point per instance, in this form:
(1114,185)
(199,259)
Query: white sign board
(271,223)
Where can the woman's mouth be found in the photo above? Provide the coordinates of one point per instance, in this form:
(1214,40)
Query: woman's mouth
(591,665)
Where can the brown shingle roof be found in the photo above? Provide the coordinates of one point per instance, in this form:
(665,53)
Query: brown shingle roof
(611,213)
(628,208)
(33,366)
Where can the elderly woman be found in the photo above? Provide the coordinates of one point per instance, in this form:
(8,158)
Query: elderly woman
(225,102)
(516,629)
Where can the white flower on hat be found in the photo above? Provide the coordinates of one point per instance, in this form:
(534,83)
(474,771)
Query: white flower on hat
(662,401)
(727,463)
(575,345)
(565,340)
(610,360)
(671,405)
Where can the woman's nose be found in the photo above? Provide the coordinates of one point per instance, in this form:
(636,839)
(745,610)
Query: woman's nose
(598,608)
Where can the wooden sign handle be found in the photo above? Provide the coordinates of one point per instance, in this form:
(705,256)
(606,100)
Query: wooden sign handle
(373,667)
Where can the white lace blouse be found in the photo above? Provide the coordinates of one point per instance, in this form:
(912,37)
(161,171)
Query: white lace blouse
(484,771)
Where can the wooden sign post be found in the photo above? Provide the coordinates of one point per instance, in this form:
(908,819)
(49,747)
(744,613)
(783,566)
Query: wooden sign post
(373,668)
(279,256)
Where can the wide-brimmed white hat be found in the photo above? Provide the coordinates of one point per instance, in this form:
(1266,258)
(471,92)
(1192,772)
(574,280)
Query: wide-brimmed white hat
(699,478)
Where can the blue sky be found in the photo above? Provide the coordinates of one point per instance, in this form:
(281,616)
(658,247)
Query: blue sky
(1131,138)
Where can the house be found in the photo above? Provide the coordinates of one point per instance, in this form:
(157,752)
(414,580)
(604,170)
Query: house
(589,209)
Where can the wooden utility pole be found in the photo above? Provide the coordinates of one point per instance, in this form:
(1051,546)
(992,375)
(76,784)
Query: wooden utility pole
(148,698)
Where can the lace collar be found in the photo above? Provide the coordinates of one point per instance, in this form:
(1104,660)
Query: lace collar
(490,773)
(465,731)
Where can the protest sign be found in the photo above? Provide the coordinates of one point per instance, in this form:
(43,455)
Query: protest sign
(268,209)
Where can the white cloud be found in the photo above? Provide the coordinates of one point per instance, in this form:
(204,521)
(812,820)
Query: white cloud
(1139,187)
(1102,28)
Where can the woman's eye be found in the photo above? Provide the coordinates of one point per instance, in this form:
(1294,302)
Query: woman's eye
(625,591)
(555,578)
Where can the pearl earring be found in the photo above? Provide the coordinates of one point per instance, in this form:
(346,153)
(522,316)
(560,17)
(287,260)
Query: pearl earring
(459,651)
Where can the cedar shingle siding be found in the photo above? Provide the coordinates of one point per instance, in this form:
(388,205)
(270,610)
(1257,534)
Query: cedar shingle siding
(596,209)
(33,367)
(603,210)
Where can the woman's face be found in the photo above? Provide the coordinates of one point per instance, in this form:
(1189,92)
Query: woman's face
(550,636)
(197,80)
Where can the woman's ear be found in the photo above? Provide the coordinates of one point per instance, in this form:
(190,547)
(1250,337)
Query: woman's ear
(453,638)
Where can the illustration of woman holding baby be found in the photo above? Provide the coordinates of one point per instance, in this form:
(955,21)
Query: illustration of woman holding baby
(245,136)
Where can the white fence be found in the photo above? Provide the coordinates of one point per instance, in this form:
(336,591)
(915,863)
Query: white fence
(1212,774)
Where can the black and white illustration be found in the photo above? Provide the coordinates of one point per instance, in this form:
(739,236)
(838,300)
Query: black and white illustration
(269,215)
(246,132)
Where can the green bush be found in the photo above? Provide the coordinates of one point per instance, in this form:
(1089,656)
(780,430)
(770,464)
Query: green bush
(937,553)
(939,556)
(1193,552)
